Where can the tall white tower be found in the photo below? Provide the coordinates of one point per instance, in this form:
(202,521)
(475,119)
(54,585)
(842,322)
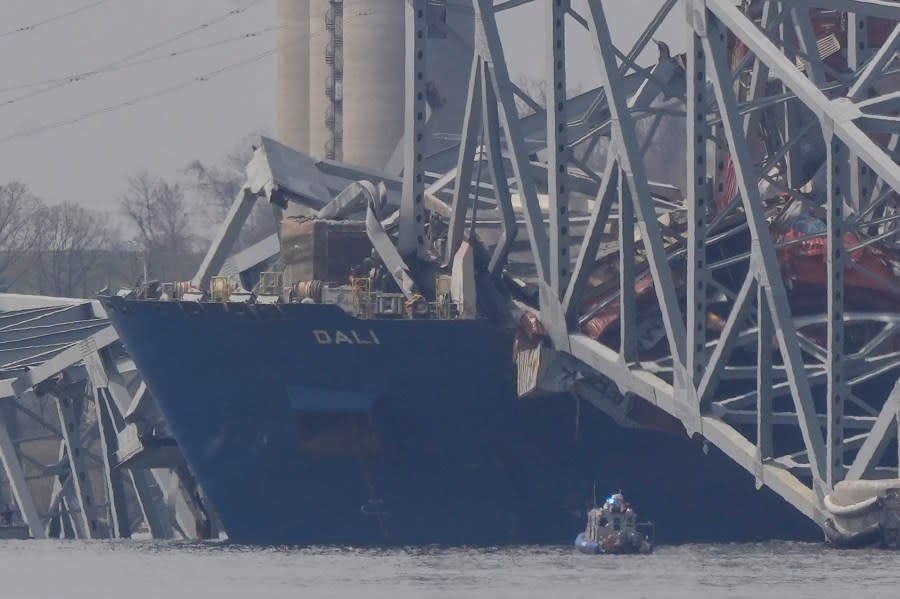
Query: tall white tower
(292,95)
(374,47)
(341,87)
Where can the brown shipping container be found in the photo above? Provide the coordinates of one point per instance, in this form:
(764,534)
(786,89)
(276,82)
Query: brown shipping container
(322,250)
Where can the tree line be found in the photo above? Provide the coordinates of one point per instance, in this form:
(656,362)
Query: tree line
(160,231)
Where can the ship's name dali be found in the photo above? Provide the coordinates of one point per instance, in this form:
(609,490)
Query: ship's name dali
(350,337)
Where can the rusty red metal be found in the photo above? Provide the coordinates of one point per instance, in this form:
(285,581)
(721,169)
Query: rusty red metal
(529,334)
(596,326)
(805,269)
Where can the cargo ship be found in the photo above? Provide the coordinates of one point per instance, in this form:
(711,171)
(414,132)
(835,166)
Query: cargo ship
(317,404)
(306,425)
(320,398)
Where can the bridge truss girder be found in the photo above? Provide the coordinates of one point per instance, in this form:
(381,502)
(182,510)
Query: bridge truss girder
(783,390)
(68,396)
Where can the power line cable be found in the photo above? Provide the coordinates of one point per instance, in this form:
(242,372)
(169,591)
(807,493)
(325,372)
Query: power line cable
(132,56)
(139,99)
(53,19)
(56,82)
(152,59)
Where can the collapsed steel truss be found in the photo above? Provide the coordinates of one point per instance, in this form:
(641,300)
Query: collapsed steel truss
(786,393)
(77,428)
(677,289)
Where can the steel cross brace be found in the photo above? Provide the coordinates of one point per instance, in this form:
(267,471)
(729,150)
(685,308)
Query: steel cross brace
(481,115)
(489,48)
(110,422)
(842,112)
(18,484)
(883,430)
(89,526)
(764,264)
(631,163)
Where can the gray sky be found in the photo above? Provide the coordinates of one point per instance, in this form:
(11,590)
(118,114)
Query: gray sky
(89,161)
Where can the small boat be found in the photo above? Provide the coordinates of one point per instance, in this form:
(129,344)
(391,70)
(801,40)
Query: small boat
(614,529)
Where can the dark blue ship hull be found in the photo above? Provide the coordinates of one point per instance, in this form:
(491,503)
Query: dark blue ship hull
(305,425)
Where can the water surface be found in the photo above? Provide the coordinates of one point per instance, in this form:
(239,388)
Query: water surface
(138,570)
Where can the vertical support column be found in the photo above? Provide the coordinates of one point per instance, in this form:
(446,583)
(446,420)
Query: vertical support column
(837,161)
(557,145)
(764,439)
(115,488)
(69,409)
(857,40)
(412,207)
(791,114)
(627,253)
(857,52)
(18,484)
(334,57)
(697,275)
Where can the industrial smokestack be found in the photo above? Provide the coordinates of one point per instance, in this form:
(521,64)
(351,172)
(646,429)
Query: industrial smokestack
(293,74)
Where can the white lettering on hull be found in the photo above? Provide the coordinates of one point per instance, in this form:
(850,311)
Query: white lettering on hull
(350,337)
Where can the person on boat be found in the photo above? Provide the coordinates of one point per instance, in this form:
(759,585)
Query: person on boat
(617,503)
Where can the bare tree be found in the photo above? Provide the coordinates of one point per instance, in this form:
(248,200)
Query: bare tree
(218,187)
(71,243)
(17,233)
(220,184)
(161,215)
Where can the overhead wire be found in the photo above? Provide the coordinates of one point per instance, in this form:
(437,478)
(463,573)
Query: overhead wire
(138,99)
(132,56)
(149,60)
(53,19)
(130,60)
